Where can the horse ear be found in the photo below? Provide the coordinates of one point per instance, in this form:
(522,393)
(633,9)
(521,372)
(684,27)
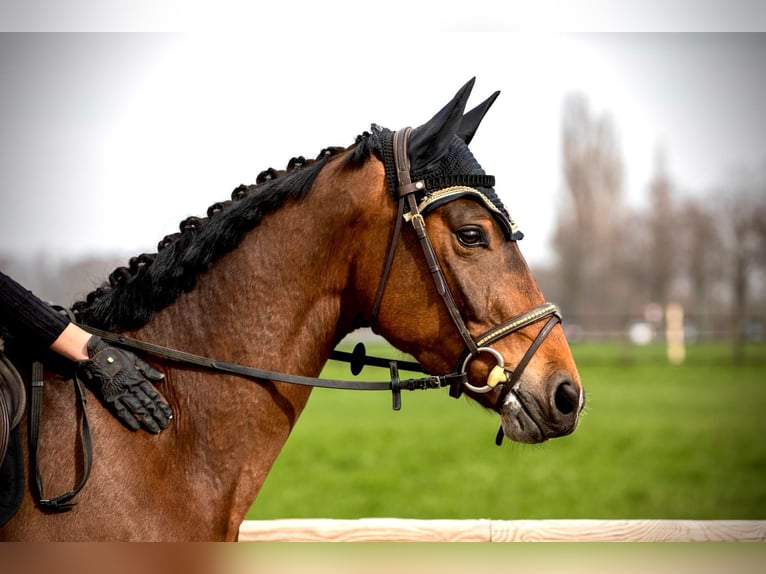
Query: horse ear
(472,119)
(431,141)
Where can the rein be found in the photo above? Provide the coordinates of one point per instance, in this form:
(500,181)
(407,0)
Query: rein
(357,359)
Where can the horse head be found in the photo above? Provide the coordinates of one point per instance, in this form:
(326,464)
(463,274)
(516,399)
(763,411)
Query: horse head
(456,292)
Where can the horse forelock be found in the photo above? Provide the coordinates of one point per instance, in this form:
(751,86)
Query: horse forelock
(151,282)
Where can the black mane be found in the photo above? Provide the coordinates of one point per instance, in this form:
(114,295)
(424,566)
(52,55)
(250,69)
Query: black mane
(152,281)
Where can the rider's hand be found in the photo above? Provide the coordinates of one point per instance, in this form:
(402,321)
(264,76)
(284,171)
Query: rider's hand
(124,382)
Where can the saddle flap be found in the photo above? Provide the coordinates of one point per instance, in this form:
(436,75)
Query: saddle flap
(12,387)
(12,405)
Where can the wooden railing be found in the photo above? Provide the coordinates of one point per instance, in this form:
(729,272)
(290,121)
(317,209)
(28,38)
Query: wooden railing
(484,530)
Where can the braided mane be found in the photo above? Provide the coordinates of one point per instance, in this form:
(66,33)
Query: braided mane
(151,282)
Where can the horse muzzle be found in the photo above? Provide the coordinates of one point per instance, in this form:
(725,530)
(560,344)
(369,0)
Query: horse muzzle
(534,417)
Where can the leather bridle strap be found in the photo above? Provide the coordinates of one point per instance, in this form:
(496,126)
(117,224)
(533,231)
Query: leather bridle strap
(395,385)
(389,259)
(517,323)
(554,320)
(63,501)
(406,193)
(503,330)
(515,375)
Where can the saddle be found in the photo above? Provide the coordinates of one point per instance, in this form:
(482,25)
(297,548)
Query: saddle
(12,404)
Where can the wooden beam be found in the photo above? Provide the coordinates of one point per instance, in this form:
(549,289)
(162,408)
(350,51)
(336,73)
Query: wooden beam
(484,530)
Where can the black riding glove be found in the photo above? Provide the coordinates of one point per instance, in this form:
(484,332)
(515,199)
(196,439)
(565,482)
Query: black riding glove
(123,381)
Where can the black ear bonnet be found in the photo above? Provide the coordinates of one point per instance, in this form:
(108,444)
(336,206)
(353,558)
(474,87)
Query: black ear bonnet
(454,175)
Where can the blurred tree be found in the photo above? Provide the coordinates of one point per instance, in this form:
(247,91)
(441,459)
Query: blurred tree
(744,212)
(706,252)
(588,227)
(662,228)
(700,257)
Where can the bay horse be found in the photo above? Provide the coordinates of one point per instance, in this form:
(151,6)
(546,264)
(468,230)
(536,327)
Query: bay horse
(401,232)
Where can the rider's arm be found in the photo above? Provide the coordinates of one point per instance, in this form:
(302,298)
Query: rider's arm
(72,343)
(25,315)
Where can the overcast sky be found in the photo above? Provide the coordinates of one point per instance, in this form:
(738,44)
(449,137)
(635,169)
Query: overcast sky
(109,140)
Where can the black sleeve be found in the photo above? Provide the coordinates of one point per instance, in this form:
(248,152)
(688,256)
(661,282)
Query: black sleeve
(26,316)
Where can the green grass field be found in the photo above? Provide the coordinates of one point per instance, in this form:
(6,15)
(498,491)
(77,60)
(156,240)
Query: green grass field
(655,441)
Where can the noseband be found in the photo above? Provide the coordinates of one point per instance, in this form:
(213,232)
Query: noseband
(406,191)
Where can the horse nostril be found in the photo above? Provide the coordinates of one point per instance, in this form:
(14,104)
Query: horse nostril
(566,398)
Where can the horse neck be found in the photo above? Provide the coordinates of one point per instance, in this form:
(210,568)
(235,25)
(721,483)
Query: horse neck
(282,296)
(272,303)
(280,301)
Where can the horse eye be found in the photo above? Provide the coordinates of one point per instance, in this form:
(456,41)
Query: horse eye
(471,237)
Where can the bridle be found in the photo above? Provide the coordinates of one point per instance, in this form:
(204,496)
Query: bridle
(405,194)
